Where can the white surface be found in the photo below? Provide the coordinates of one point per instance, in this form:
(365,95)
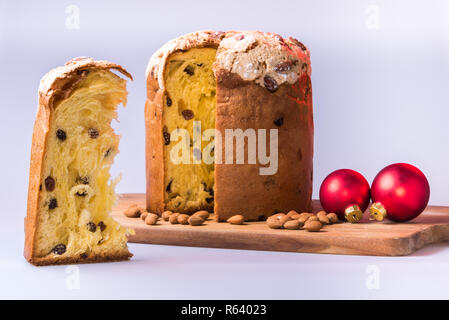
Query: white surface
(394,75)
(165,272)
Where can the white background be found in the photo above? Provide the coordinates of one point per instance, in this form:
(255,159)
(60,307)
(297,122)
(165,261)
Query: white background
(380,86)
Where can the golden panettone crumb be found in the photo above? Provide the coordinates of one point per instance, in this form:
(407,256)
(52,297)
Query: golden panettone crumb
(72,222)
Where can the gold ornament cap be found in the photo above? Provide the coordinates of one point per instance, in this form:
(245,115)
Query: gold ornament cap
(377,211)
(353,213)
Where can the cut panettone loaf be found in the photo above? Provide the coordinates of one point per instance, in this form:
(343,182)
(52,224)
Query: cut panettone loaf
(229,81)
(71,192)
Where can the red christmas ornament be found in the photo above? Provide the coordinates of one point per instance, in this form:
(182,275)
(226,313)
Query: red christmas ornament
(345,192)
(399,191)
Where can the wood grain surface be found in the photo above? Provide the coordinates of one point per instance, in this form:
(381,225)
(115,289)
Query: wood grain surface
(366,238)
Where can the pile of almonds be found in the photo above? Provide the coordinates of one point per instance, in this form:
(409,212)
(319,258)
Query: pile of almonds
(292,220)
(306,220)
(196,219)
(237,219)
(134,211)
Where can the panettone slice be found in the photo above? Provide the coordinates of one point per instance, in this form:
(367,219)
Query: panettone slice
(71,192)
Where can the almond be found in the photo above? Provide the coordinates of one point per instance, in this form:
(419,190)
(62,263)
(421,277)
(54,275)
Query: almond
(306,214)
(173,218)
(291,213)
(151,218)
(133,211)
(296,216)
(313,226)
(202,213)
(274,222)
(143,215)
(276,215)
(284,219)
(333,218)
(237,219)
(292,225)
(166,215)
(195,220)
(183,219)
(322,217)
(324,220)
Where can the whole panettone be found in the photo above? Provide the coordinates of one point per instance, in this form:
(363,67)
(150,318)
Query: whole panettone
(70,191)
(249,84)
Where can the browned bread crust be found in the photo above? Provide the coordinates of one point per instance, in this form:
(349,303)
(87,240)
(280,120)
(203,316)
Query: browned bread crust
(71,260)
(240,188)
(242,92)
(56,84)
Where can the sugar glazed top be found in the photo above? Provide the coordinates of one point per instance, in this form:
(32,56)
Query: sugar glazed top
(266,58)
(60,81)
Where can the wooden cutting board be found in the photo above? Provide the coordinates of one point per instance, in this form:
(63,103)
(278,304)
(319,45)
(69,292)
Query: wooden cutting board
(366,238)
